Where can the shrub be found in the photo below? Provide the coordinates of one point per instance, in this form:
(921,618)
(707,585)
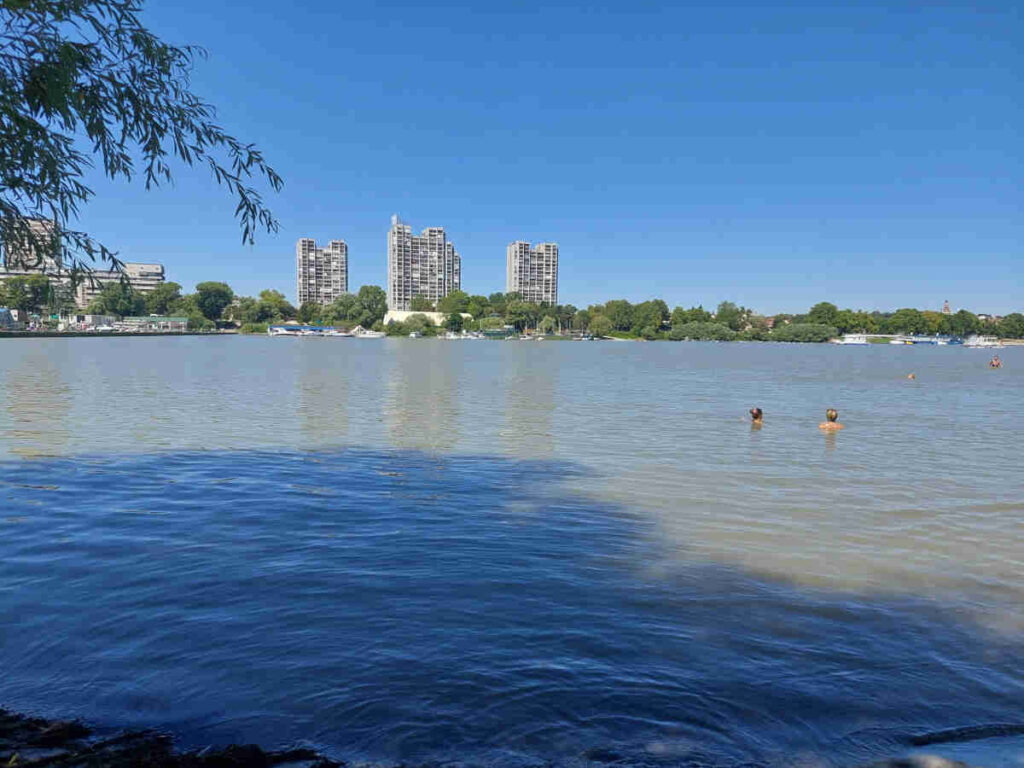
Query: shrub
(702,332)
(804,332)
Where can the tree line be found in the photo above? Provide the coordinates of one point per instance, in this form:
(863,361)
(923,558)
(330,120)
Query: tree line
(728,321)
(214,303)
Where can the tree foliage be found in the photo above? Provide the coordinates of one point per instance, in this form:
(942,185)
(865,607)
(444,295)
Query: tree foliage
(601,326)
(702,332)
(84,82)
(118,299)
(162,299)
(25,293)
(823,313)
(456,301)
(212,298)
(804,332)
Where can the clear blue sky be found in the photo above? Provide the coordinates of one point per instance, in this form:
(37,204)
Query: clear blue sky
(774,155)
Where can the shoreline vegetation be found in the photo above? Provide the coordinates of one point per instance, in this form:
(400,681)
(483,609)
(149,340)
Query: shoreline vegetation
(215,306)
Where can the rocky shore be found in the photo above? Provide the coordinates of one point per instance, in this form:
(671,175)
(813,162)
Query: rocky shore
(27,742)
(33,743)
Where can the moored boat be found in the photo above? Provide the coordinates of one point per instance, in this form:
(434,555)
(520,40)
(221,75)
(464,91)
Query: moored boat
(852,338)
(982,342)
(361,333)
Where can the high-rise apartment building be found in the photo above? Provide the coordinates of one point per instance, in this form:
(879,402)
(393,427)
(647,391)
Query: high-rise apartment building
(321,273)
(425,265)
(532,271)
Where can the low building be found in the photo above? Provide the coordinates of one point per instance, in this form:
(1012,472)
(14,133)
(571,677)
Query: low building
(143,278)
(437,318)
(85,322)
(152,324)
(7,321)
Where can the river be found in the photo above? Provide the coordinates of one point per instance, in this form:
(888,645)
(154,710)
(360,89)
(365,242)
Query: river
(515,553)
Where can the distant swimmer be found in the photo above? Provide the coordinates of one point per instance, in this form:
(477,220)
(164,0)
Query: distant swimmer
(831,423)
(757,416)
(911,376)
(995,362)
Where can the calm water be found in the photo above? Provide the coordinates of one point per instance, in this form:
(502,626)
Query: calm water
(512,554)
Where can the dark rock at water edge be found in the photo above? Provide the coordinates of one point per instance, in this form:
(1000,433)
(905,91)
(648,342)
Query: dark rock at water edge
(26,742)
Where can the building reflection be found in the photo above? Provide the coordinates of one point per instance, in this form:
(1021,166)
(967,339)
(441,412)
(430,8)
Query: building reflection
(530,382)
(322,399)
(421,394)
(35,403)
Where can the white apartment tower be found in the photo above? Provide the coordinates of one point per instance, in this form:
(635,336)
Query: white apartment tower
(532,271)
(424,265)
(321,273)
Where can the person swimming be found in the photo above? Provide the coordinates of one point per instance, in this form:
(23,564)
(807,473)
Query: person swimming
(757,416)
(911,376)
(995,362)
(831,422)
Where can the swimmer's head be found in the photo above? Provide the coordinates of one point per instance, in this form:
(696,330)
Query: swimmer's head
(756,414)
(831,414)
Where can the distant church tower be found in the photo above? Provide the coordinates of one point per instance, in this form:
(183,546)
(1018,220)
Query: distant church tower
(945,307)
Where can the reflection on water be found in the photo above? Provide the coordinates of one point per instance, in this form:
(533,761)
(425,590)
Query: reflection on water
(36,401)
(323,394)
(529,381)
(421,394)
(513,550)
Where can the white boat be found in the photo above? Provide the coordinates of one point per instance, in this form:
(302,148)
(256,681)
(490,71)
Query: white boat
(361,333)
(415,335)
(982,342)
(852,338)
(338,334)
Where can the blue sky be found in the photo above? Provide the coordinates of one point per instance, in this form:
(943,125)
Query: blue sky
(773,155)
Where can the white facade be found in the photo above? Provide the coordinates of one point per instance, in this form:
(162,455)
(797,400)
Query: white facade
(425,265)
(143,278)
(437,318)
(321,274)
(27,258)
(532,272)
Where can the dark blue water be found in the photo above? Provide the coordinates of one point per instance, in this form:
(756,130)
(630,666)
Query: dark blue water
(392,605)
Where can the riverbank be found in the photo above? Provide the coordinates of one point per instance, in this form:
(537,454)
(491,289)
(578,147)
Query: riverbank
(26,741)
(105,334)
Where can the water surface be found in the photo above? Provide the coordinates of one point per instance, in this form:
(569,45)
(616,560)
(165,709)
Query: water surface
(513,553)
